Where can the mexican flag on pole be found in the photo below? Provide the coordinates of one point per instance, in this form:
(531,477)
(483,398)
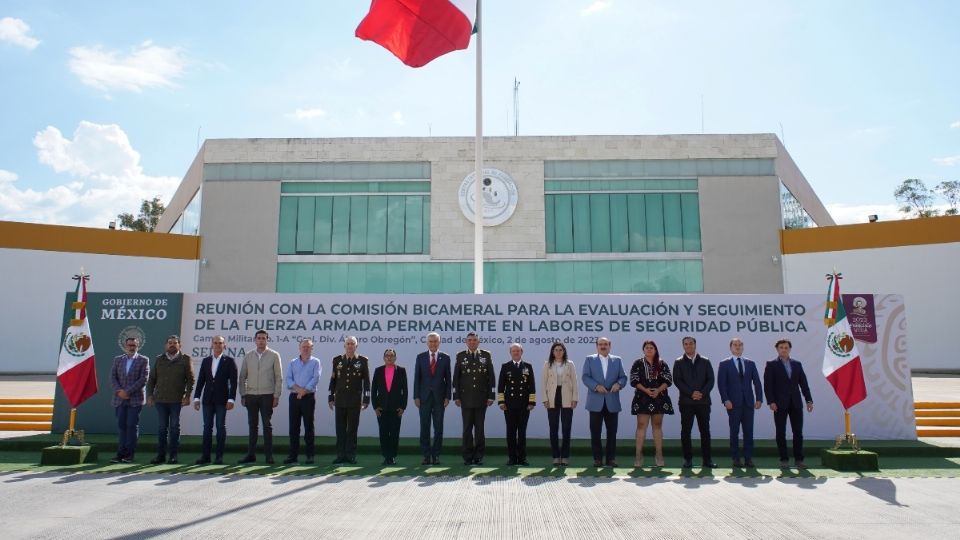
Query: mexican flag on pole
(77,371)
(841,359)
(418,31)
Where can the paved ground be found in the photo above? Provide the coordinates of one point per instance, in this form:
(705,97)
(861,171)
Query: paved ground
(43,505)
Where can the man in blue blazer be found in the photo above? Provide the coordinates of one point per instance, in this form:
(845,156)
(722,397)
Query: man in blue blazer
(784,382)
(431,394)
(741,393)
(217,391)
(604,377)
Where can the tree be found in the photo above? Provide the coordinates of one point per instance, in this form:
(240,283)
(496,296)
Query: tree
(146,221)
(915,197)
(950,191)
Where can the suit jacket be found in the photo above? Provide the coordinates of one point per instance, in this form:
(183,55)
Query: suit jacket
(396,398)
(133,382)
(567,382)
(474,379)
(350,381)
(517,388)
(782,390)
(593,375)
(739,390)
(425,384)
(690,377)
(220,387)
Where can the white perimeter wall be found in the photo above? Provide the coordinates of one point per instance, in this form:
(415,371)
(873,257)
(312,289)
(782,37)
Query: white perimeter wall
(31,312)
(926,276)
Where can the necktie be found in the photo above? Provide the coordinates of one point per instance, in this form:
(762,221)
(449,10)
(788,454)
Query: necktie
(740,367)
(433,363)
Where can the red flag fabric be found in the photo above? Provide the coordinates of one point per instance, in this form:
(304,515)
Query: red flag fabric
(418,31)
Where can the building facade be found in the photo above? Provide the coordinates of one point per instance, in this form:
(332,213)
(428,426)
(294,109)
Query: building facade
(579,214)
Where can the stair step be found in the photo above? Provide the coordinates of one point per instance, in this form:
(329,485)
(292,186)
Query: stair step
(936,413)
(25,417)
(939,422)
(936,405)
(25,426)
(26,401)
(48,409)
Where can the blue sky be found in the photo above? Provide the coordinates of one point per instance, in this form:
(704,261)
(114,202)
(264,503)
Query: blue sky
(101,102)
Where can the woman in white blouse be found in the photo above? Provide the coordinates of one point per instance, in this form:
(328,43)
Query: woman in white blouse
(560,397)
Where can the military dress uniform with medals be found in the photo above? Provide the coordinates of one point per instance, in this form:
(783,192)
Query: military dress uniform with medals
(517,391)
(473,384)
(349,391)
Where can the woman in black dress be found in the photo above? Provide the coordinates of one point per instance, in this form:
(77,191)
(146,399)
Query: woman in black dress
(651,377)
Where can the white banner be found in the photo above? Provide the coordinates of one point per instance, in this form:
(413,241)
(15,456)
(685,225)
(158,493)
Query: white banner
(402,322)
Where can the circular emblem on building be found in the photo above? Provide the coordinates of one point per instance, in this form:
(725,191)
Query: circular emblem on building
(499,193)
(132,332)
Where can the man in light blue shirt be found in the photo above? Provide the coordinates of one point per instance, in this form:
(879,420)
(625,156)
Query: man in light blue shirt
(301,379)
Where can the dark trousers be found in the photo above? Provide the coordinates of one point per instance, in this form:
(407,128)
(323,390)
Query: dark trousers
(389,422)
(597,420)
(741,416)
(431,412)
(213,412)
(259,408)
(168,421)
(128,428)
(347,420)
(474,442)
(557,416)
(702,414)
(517,433)
(302,410)
(796,426)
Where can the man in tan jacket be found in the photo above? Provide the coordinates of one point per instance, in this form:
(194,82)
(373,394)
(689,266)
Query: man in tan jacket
(260,384)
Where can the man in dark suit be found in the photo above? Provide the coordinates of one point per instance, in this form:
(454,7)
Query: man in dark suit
(350,393)
(517,396)
(473,385)
(741,393)
(128,377)
(784,382)
(431,394)
(388,393)
(217,392)
(693,377)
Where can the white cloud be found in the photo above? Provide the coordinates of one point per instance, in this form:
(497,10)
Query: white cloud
(16,31)
(7,176)
(596,7)
(955,125)
(146,66)
(398,118)
(845,214)
(947,161)
(107,179)
(307,114)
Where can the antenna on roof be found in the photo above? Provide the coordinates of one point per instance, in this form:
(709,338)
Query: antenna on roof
(516,107)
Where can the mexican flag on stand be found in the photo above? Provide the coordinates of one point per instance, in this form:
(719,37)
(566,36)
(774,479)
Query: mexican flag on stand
(77,371)
(841,359)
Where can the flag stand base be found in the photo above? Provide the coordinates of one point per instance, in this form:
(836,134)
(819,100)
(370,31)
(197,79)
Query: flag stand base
(847,438)
(72,436)
(851,458)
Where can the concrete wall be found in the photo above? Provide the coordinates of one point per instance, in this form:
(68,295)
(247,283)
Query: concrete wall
(926,276)
(31,315)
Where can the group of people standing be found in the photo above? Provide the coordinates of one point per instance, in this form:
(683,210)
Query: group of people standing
(470,382)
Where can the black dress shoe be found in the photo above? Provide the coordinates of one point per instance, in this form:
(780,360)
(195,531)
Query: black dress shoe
(478,462)
(248,459)
(426,461)
(308,461)
(338,461)
(218,461)
(126,460)
(158,460)
(611,463)
(393,461)
(524,463)
(352,461)
(269,461)
(749,463)
(116,459)
(511,463)
(709,465)
(202,461)
(436,460)
(468,462)
(173,460)
(737,464)
(687,465)
(289,461)
(597,463)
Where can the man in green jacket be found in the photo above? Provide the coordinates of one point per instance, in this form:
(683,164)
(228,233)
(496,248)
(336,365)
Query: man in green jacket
(169,387)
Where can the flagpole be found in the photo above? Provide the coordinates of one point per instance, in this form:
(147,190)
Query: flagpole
(478,168)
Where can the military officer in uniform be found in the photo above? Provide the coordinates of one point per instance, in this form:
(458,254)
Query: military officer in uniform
(473,384)
(350,393)
(517,396)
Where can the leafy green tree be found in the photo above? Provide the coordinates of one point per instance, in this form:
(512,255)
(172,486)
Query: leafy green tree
(950,191)
(146,221)
(915,198)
